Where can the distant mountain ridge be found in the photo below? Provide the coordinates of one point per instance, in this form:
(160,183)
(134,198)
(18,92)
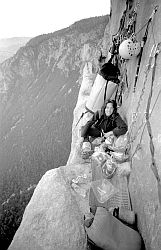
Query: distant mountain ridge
(39,86)
(9,46)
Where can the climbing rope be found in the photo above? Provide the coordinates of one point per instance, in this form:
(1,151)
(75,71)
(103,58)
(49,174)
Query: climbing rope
(149,66)
(140,127)
(151,56)
(125,31)
(144,39)
(149,129)
(135,115)
(157,50)
(154,53)
(152,150)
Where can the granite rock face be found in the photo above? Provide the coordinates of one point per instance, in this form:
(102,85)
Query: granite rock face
(144,187)
(54,217)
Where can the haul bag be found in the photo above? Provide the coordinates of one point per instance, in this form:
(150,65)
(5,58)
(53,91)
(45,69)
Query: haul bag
(96,98)
(109,233)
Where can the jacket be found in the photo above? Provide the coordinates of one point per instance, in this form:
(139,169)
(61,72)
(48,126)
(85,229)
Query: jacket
(112,123)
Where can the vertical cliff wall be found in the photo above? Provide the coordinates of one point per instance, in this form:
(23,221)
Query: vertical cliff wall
(141,110)
(145,132)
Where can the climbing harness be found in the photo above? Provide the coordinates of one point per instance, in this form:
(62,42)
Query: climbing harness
(144,39)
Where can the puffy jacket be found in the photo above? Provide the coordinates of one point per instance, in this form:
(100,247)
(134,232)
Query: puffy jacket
(112,123)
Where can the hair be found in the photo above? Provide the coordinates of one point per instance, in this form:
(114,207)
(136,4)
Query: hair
(114,104)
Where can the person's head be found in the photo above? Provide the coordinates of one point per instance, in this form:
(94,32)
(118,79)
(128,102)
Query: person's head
(111,107)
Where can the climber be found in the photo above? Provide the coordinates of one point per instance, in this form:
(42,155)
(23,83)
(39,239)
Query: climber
(107,123)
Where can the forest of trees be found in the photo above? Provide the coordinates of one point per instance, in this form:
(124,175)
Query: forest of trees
(11,213)
(37,115)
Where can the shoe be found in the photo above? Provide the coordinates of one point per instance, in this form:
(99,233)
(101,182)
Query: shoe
(86,150)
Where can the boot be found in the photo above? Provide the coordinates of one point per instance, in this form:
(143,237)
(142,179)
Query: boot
(86,150)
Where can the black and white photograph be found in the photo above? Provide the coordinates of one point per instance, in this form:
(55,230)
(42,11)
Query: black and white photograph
(80,125)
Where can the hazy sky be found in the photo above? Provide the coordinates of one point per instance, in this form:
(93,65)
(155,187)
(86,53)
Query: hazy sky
(30,18)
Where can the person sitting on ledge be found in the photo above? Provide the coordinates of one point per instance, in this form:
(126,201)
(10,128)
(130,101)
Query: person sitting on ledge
(105,123)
